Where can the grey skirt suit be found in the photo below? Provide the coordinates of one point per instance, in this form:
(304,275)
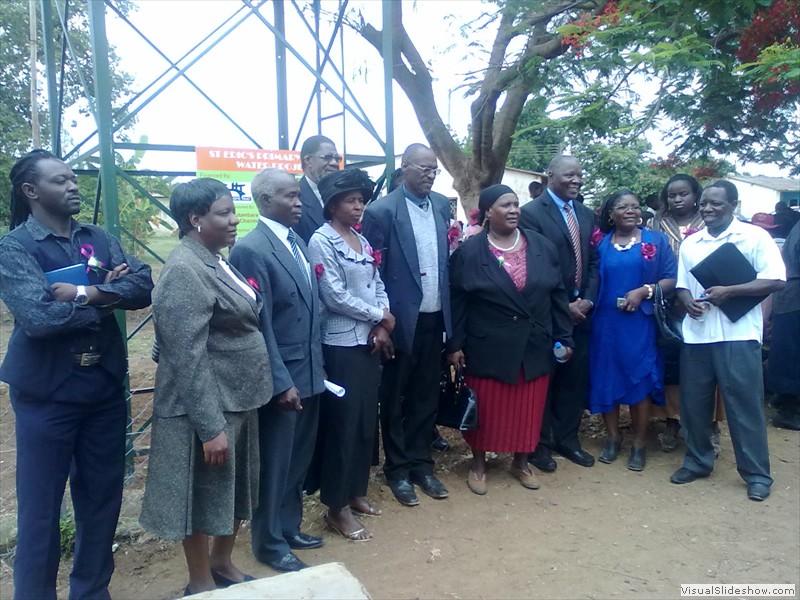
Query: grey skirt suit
(213,373)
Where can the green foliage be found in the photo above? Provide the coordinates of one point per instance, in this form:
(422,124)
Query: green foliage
(66,527)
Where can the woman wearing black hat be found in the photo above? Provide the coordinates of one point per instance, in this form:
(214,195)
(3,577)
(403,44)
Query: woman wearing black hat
(356,324)
(509,309)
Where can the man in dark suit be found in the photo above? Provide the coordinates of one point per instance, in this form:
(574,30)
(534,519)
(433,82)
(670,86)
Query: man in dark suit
(319,157)
(409,228)
(567,223)
(276,259)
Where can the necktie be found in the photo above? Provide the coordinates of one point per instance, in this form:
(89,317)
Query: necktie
(575,234)
(296,252)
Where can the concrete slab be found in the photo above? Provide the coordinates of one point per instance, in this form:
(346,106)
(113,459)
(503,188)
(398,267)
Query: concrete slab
(331,581)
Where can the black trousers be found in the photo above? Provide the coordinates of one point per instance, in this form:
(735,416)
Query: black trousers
(736,368)
(409,397)
(568,394)
(79,433)
(286,440)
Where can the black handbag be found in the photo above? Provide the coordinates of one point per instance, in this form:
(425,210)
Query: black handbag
(458,403)
(669,332)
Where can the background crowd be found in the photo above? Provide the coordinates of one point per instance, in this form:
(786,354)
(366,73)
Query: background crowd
(544,310)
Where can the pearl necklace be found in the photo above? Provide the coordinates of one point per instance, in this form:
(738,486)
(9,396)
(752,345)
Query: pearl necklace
(516,239)
(627,246)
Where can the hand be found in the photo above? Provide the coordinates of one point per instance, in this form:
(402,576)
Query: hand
(692,307)
(457,359)
(290,400)
(117,272)
(633,299)
(578,316)
(383,342)
(584,306)
(717,294)
(63,292)
(388,321)
(215,451)
(568,355)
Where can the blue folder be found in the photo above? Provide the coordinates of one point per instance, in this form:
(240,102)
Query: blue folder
(74,274)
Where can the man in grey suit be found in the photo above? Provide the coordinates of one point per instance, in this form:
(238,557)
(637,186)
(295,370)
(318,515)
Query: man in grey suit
(560,217)
(319,157)
(276,259)
(409,228)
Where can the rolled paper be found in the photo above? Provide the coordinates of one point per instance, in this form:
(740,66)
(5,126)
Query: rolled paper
(334,389)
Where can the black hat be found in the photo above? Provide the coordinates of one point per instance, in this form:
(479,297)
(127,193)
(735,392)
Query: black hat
(348,180)
(489,196)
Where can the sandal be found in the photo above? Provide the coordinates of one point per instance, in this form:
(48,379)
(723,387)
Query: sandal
(371,511)
(477,486)
(353,536)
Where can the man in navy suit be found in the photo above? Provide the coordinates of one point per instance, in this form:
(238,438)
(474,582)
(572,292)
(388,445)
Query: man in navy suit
(275,258)
(319,158)
(559,216)
(409,228)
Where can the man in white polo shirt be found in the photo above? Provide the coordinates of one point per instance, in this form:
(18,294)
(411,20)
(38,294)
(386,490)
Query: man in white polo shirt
(721,352)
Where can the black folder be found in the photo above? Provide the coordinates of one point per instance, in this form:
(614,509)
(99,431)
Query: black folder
(728,266)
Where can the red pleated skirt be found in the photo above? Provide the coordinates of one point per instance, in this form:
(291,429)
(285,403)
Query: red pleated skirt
(509,416)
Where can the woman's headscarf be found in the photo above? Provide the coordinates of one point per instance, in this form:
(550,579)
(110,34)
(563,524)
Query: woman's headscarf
(489,196)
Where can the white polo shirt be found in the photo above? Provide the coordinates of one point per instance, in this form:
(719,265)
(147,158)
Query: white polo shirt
(759,249)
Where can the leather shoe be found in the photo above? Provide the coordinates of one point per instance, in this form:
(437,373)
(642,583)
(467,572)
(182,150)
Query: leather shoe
(223,582)
(431,486)
(576,455)
(638,459)
(610,451)
(542,459)
(403,491)
(303,541)
(286,563)
(684,475)
(757,491)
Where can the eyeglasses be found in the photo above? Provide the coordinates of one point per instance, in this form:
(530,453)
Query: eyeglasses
(426,170)
(330,157)
(626,207)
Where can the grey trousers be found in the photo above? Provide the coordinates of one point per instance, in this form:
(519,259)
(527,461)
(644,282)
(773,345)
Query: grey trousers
(736,368)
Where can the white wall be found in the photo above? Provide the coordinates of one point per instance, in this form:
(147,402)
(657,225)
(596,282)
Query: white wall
(754,199)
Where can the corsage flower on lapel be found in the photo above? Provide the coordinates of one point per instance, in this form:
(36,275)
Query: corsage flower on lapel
(377,256)
(648,251)
(92,262)
(596,238)
(319,269)
(690,231)
(253,283)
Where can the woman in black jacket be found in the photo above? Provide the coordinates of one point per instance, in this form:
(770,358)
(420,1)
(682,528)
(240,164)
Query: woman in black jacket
(509,308)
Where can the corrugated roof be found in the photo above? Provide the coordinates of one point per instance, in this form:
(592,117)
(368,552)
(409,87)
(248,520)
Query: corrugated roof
(781,184)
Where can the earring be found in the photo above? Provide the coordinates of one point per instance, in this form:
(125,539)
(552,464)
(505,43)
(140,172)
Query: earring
(610,221)
(199,228)
(640,221)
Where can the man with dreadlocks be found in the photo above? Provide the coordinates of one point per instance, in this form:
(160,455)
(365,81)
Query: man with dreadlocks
(61,280)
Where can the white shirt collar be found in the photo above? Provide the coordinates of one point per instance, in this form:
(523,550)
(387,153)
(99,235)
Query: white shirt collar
(279,229)
(732,229)
(315,189)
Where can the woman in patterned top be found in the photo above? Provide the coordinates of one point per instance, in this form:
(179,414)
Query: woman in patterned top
(356,324)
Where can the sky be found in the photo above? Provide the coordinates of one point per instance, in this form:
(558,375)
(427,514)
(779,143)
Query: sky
(239,75)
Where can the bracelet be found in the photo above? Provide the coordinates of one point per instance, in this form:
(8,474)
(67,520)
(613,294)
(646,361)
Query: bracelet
(649,290)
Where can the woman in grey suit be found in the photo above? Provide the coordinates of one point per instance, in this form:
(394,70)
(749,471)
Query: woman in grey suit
(356,324)
(213,373)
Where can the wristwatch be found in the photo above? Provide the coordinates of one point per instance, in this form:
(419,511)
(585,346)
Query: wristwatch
(81,297)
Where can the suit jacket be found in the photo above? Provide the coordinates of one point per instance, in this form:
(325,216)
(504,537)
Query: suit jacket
(387,227)
(290,315)
(500,329)
(542,215)
(312,218)
(212,356)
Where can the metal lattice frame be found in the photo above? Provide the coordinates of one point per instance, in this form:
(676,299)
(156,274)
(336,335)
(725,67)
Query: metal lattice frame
(99,147)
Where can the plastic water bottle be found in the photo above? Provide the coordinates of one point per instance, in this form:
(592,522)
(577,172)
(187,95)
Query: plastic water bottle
(560,351)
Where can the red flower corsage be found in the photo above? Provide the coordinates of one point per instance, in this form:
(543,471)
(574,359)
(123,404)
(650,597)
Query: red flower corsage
(251,281)
(648,251)
(357,227)
(690,231)
(319,269)
(596,238)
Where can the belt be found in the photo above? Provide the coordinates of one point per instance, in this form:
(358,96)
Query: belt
(86,359)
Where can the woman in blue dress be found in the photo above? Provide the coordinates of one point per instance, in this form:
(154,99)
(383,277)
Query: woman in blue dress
(626,365)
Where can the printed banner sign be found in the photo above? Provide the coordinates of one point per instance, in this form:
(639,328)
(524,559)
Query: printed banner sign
(239,165)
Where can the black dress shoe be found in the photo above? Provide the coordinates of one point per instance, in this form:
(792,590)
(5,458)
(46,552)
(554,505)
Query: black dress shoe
(286,563)
(542,459)
(576,455)
(637,460)
(431,486)
(303,541)
(610,451)
(684,475)
(223,582)
(440,444)
(757,491)
(403,490)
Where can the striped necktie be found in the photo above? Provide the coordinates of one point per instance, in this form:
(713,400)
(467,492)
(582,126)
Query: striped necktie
(575,234)
(292,236)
